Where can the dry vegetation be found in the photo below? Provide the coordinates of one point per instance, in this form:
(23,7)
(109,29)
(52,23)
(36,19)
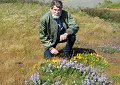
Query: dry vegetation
(21,49)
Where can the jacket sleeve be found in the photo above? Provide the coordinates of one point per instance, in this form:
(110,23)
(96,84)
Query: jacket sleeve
(44,36)
(72,26)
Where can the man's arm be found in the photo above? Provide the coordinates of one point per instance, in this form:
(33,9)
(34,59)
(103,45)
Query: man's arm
(72,26)
(45,39)
(44,35)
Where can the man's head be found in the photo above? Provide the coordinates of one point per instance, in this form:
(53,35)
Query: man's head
(56,8)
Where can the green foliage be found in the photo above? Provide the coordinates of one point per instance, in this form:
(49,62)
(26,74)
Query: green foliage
(73,72)
(116,6)
(109,4)
(105,3)
(94,60)
(103,13)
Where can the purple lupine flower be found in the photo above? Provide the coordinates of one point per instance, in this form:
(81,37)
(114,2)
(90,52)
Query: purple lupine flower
(80,65)
(102,79)
(92,82)
(68,65)
(73,64)
(35,78)
(95,78)
(64,62)
(64,66)
(94,72)
(81,69)
(87,68)
(88,82)
(77,66)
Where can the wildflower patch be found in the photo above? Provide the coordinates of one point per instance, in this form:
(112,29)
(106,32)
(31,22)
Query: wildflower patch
(78,71)
(92,59)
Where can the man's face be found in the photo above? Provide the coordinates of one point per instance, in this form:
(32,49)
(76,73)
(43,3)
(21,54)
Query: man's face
(56,12)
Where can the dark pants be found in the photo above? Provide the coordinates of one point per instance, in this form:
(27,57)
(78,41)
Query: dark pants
(68,48)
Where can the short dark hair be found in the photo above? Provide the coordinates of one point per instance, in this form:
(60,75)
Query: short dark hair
(57,3)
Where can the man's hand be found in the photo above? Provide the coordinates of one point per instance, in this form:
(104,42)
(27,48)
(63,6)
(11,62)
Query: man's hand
(63,36)
(54,51)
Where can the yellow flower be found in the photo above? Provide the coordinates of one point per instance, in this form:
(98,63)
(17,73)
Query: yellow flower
(97,55)
(85,61)
(79,57)
(78,54)
(36,66)
(91,53)
(54,61)
(96,60)
(74,58)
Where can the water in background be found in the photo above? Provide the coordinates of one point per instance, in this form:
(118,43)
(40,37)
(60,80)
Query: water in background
(82,3)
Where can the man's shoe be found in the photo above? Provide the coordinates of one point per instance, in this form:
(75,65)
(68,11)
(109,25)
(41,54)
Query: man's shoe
(66,56)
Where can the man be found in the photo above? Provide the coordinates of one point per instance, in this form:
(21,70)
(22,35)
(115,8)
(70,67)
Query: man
(57,26)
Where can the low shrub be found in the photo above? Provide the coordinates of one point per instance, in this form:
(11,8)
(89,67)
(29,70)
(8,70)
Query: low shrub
(103,13)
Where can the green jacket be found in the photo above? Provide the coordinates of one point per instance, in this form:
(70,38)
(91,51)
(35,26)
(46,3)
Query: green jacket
(49,28)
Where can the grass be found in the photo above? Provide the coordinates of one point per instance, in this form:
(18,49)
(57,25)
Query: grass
(19,40)
(21,49)
(110,5)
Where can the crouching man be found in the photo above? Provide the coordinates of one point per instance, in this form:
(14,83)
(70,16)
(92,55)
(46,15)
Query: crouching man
(57,26)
